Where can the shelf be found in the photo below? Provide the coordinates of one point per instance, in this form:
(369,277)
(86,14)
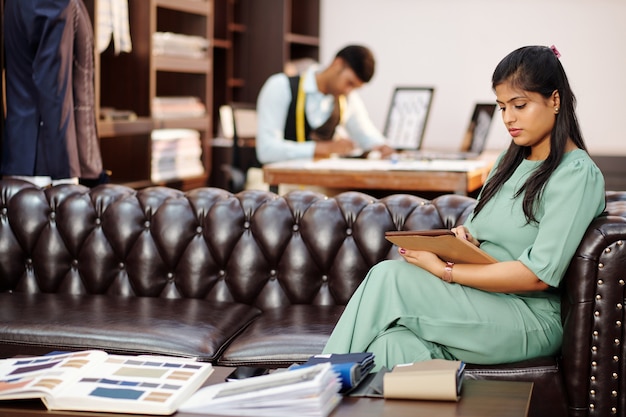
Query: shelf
(186,183)
(236,82)
(141,126)
(188,6)
(237,27)
(221,43)
(174,64)
(302,39)
(197,123)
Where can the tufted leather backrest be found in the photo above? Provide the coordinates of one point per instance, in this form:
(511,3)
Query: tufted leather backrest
(253,247)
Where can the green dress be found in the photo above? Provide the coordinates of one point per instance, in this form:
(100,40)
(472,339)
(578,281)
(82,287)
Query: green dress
(404,314)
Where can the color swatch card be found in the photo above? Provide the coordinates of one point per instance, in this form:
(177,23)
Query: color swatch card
(96,381)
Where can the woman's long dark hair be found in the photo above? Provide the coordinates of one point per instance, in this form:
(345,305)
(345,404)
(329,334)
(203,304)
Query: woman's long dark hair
(536,69)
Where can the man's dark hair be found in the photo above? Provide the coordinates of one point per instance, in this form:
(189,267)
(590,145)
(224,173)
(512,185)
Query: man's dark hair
(360,59)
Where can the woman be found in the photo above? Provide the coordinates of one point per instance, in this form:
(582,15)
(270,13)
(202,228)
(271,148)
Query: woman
(531,215)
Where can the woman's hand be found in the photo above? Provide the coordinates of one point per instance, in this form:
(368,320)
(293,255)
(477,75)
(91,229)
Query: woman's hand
(423,259)
(462,233)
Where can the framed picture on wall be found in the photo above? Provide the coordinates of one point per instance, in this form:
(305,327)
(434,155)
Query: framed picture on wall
(407,117)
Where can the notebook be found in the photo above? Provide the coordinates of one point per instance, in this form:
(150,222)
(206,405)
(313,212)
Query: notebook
(473,141)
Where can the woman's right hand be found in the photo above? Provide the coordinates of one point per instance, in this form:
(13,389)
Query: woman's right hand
(461,232)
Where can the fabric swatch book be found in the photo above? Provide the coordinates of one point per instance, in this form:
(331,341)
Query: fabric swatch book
(441,242)
(93,380)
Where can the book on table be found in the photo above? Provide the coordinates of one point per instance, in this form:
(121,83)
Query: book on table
(435,379)
(311,391)
(93,380)
(352,368)
(441,242)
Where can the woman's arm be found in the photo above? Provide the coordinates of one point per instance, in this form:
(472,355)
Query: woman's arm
(509,276)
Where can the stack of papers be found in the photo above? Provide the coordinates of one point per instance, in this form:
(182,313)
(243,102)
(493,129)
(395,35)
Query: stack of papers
(311,391)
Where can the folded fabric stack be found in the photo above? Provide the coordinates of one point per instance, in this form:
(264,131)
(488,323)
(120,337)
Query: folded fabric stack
(176,107)
(176,153)
(176,44)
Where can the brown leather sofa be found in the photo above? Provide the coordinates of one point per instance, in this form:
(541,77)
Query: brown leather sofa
(254,278)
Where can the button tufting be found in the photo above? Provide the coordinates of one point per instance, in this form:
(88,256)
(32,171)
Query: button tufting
(273,273)
(29,261)
(53,215)
(246,224)
(98,220)
(4,210)
(121,265)
(75,262)
(324,278)
(199,230)
(146,224)
(170,276)
(607,250)
(295,227)
(618,323)
(349,231)
(600,265)
(221,273)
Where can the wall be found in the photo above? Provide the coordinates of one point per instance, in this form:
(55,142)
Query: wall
(454,45)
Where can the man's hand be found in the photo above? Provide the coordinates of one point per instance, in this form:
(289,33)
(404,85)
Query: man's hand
(340,146)
(381,152)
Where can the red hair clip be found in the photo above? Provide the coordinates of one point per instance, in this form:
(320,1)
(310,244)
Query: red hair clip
(556,51)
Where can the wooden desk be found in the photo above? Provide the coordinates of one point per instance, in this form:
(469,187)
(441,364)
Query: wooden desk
(478,399)
(460,177)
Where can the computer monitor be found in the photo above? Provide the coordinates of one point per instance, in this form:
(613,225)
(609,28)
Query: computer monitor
(407,117)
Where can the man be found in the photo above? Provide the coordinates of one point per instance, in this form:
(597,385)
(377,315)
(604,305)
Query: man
(318,113)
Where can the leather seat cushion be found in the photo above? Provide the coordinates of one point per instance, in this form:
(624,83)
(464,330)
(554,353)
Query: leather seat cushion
(282,336)
(548,398)
(32,323)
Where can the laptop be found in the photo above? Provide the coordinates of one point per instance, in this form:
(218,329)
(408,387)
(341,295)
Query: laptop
(473,141)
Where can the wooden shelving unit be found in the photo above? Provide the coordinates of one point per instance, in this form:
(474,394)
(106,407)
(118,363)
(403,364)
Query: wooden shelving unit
(130,81)
(254,39)
(249,41)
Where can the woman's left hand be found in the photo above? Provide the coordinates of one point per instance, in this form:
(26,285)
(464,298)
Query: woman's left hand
(425,260)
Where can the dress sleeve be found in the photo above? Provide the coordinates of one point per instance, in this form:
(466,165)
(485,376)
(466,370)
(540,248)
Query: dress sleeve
(572,198)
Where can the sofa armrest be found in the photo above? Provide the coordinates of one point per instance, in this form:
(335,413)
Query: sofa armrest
(593,311)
